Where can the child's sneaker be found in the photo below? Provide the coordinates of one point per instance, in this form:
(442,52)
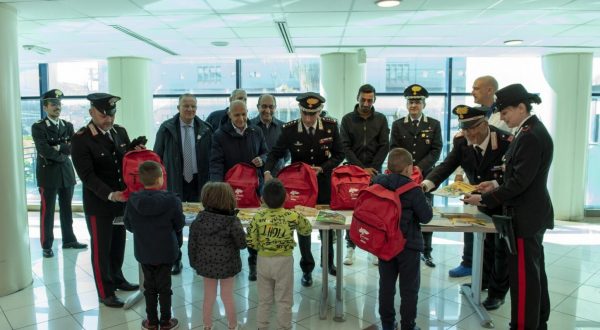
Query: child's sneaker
(147,326)
(173,323)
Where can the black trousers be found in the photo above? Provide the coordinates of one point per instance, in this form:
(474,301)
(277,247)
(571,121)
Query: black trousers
(307,262)
(530,302)
(495,269)
(157,289)
(108,250)
(406,266)
(428,236)
(349,243)
(48,203)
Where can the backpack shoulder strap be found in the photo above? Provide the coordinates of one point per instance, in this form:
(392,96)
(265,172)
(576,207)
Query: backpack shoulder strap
(406,187)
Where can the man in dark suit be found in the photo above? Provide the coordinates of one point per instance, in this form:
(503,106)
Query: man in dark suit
(183,142)
(98,151)
(524,196)
(54,172)
(315,141)
(218,117)
(422,137)
(479,149)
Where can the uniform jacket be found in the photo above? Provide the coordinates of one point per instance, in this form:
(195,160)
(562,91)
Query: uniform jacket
(230,148)
(153,216)
(54,168)
(323,149)
(214,244)
(423,142)
(524,193)
(99,162)
(170,149)
(271,231)
(366,141)
(271,135)
(415,209)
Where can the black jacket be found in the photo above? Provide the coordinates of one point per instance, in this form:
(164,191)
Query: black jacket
(216,118)
(524,191)
(154,217)
(230,148)
(99,162)
(54,168)
(366,141)
(271,135)
(415,209)
(170,149)
(423,142)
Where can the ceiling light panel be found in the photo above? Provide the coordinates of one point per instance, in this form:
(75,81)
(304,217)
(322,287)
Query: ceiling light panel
(316,6)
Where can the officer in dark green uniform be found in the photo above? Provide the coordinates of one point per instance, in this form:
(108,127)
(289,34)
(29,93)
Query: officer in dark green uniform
(54,172)
(314,140)
(98,151)
(422,137)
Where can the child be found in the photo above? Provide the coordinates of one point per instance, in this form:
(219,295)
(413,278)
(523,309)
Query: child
(216,238)
(271,232)
(406,265)
(154,216)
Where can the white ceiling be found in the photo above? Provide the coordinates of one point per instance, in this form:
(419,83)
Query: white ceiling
(78,29)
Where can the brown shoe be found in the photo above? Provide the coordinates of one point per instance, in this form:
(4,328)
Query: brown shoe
(147,326)
(173,323)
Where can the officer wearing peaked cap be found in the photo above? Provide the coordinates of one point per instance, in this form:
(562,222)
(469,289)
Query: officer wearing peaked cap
(422,137)
(315,141)
(98,151)
(54,172)
(524,197)
(479,150)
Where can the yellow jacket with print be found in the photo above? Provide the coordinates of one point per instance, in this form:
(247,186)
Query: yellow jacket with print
(271,231)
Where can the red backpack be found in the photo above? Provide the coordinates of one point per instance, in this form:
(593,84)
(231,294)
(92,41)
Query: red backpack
(300,182)
(244,181)
(375,223)
(131,163)
(346,182)
(416,175)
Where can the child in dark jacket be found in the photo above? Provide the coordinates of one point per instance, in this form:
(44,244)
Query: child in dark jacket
(406,265)
(154,216)
(216,238)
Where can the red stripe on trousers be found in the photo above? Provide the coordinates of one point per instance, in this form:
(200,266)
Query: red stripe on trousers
(522,284)
(96,258)
(43,217)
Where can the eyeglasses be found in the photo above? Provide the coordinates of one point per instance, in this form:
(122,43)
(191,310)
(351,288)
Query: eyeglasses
(306,113)
(269,106)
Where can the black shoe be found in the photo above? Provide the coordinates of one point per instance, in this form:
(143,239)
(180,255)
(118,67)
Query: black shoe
(176,270)
(74,245)
(492,303)
(112,301)
(307,279)
(332,271)
(252,275)
(126,286)
(47,253)
(428,259)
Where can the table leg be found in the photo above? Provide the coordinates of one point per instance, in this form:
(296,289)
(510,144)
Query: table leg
(325,271)
(138,295)
(339,280)
(473,293)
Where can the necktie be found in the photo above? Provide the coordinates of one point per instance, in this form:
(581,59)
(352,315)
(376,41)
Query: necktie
(478,155)
(311,131)
(107,134)
(188,170)
(415,123)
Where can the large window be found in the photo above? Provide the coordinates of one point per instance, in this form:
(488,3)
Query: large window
(178,77)
(286,75)
(592,196)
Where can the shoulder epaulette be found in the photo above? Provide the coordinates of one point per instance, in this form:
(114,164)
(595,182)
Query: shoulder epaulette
(80,131)
(525,128)
(39,121)
(459,134)
(507,137)
(329,120)
(290,123)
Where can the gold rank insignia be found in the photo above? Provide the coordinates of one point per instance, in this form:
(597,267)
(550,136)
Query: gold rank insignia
(311,102)
(462,111)
(416,89)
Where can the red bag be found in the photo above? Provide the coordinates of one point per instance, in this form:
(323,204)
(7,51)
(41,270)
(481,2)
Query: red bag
(346,182)
(375,223)
(131,163)
(244,181)
(417,176)
(300,182)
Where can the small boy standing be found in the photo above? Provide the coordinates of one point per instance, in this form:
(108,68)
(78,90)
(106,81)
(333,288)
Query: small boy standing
(154,216)
(271,233)
(406,265)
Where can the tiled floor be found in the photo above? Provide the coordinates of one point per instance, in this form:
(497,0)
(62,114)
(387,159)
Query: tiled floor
(63,295)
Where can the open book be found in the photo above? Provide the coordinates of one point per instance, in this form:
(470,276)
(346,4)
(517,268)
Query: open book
(331,217)
(456,189)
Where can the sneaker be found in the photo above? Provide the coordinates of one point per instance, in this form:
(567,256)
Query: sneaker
(173,323)
(460,271)
(349,257)
(147,326)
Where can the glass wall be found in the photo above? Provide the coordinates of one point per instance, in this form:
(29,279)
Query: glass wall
(285,75)
(592,196)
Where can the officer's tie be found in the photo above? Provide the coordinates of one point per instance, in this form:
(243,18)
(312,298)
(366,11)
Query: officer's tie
(478,155)
(415,123)
(311,131)
(188,170)
(107,134)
